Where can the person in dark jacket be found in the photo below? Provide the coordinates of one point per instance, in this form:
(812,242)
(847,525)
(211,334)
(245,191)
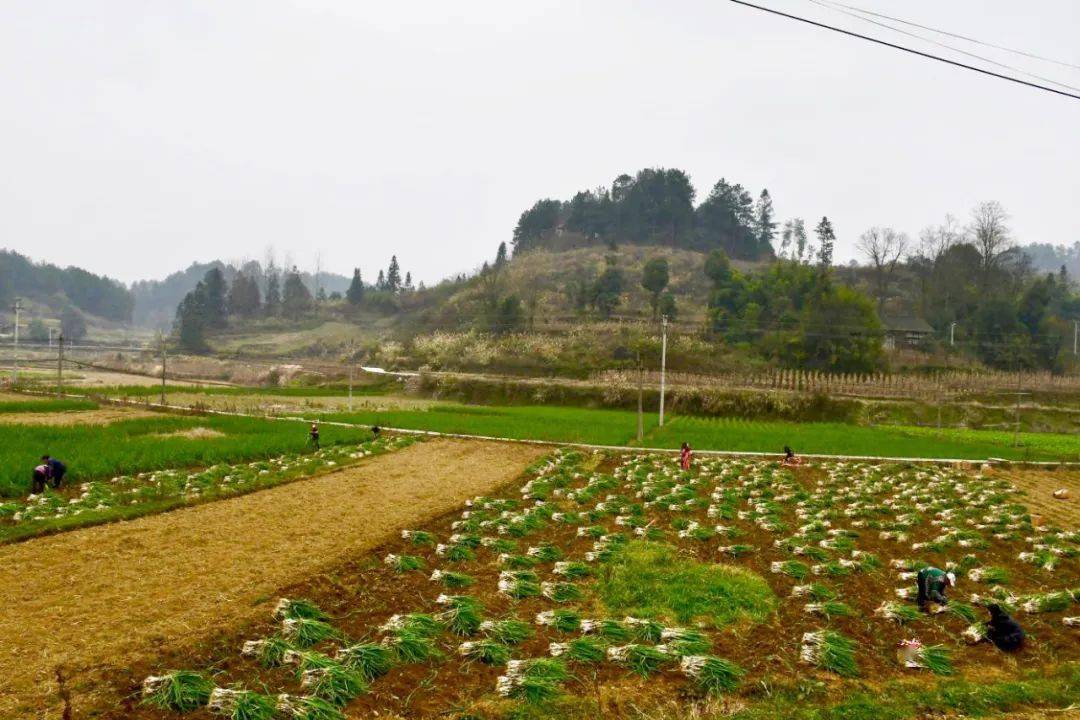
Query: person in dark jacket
(57,470)
(932,584)
(314,435)
(1003,631)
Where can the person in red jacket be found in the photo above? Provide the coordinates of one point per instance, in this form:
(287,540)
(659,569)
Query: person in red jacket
(686,456)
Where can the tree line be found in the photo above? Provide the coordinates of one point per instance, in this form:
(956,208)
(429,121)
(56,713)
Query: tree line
(976,287)
(74,287)
(265,292)
(655,207)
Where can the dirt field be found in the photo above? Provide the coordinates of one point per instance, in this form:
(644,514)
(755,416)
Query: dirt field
(80,602)
(1040,485)
(101,416)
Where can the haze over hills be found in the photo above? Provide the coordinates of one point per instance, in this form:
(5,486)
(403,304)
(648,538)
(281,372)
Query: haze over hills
(725,266)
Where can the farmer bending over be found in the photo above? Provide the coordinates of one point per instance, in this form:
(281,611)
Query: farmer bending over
(790,458)
(41,476)
(1003,631)
(932,583)
(57,470)
(314,435)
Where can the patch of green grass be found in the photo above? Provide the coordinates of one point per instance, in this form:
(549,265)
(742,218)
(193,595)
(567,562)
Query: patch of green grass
(846,439)
(147,444)
(650,579)
(907,700)
(617,427)
(46,406)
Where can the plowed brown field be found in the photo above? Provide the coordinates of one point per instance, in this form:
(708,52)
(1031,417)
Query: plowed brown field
(77,604)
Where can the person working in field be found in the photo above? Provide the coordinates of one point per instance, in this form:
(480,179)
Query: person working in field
(1003,631)
(790,458)
(314,435)
(57,470)
(686,456)
(41,477)
(932,585)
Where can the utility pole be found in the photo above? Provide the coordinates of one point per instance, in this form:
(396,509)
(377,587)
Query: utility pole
(51,331)
(17,307)
(1016,427)
(952,333)
(60,366)
(663,365)
(640,399)
(350,373)
(1076,336)
(164,358)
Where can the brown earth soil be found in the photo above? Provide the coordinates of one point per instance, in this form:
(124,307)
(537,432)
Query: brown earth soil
(101,416)
(82,603)
(1039,487)
(362,593)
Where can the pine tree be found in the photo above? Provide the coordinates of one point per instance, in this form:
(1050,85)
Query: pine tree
(500,256)
(408,282)
(380,284)
(244,300)
(355,293)
(827,240)
(393,275)
(216,309)
(190,322)
(296,298)
(764,223)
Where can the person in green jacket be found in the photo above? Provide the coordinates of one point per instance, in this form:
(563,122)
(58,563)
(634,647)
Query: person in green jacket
(932,584)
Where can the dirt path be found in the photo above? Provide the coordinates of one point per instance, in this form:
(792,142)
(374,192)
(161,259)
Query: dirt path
(113,594)
(101,416)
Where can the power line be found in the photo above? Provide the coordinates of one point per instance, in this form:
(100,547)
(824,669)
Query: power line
(837,8)
(958,36)
(912,51)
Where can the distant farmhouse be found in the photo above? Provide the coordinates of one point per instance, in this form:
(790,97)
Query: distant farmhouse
(905,331)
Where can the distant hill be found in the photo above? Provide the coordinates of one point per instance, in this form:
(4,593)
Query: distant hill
(49,291)
(547,283)
(1051,258)
(156,300)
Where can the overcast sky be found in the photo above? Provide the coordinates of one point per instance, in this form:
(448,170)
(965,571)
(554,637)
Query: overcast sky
(138,136)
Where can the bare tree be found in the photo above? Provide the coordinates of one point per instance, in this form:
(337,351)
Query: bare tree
(989,231)
(883,247)
(935,241)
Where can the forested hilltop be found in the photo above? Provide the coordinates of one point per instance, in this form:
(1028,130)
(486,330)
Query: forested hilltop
(655,207)
(64,296)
